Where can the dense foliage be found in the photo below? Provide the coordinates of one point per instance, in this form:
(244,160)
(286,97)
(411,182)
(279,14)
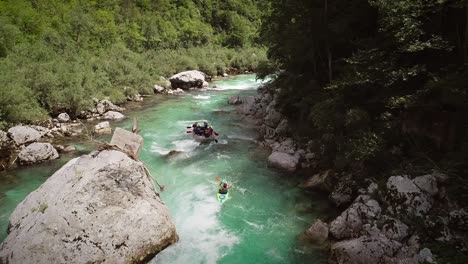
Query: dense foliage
(383,82)
(57,55)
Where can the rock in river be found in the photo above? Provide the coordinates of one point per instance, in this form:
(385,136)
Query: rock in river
(99,208)
(188,79)
(37,152)
(283,161)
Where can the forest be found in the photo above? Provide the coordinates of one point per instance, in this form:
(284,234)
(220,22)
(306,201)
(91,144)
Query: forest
(383,83)
(57,55)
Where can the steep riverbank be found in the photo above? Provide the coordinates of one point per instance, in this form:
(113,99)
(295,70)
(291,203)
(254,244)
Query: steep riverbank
(266,217)
(395,218)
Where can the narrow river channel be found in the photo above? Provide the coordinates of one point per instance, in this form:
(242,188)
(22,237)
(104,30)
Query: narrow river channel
(266,213)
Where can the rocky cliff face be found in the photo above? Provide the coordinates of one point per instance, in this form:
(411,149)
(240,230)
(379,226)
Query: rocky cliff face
(99,208)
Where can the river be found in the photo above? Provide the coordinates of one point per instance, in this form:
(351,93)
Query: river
(266,214)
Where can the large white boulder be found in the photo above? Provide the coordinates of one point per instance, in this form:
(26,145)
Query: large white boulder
(188,79)
(113,115)
(283,161)
(99,208)
(23,135)
(37,152)
(63,118)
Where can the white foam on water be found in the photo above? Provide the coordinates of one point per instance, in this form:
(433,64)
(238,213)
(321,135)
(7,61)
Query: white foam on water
(203,97)
(273,253)
(202,239)
(222,156)
(241,138)
(155,148)
(250,86)
(254,225)
(185,145)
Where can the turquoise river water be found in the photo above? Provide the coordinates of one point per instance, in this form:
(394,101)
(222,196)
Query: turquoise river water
(266,214)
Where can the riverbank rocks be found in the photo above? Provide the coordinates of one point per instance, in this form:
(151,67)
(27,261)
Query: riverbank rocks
(188,79)
(273,118)
(235,100)
(63,118)
(320,181)
(112,115)
(158,89)
(318,232)
(177,91)
(135,98)
(103,128)
(22,135)
(4,140)
(109,106)
(248,106)
(404,196)
(37,152)
(99,208)
(395,229)
(363,250)
(283,161)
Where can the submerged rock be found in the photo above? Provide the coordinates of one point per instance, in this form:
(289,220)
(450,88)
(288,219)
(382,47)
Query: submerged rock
(318,232)
(235,100)
(96,209)
(320,181)
(23,135)
(188,79)
(37,152)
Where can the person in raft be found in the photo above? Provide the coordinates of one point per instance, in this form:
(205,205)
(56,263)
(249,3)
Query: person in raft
(197,129)
(223,188)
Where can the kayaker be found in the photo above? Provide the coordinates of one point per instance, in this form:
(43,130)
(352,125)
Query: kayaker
(223,188)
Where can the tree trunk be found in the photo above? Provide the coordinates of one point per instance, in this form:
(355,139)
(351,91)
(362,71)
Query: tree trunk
(465,42)
(327,44)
